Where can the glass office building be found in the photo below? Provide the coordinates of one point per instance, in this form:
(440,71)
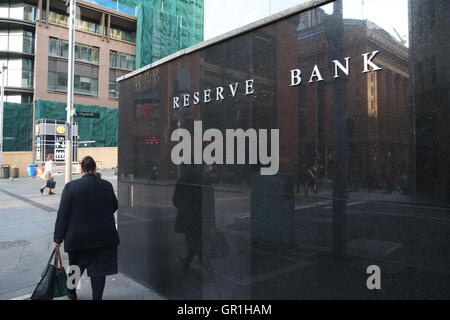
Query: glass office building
(17,49)
(341,167)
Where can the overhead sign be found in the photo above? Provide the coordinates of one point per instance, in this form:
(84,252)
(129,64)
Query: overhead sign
(82,114)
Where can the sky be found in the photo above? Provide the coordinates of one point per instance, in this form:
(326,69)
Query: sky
(222,16)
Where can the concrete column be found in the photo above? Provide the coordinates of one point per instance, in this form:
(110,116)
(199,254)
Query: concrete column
(102,23)
(40,13)
(48,10)
(109,28)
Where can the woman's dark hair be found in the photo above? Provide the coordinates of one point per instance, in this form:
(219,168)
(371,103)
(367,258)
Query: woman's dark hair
(88,164)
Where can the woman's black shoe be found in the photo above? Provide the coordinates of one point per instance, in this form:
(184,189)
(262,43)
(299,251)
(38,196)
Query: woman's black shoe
(51,192)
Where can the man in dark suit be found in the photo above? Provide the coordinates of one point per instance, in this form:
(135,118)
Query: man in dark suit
(85,222)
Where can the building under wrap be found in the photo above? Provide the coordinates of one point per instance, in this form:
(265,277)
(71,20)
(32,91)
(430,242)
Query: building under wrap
(112,39)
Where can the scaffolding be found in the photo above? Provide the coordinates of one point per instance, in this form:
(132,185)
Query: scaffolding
(17,126)
(165,27)
(100,131)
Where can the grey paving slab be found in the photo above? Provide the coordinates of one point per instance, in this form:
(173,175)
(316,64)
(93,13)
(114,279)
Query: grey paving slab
(21,231)
(19,280)
(39,245)
(9,258)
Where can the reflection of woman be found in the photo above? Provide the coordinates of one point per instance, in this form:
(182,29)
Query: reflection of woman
(193,215)
(48,173)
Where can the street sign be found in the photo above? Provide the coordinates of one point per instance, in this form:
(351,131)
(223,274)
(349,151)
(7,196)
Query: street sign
(60,129)
(82,114)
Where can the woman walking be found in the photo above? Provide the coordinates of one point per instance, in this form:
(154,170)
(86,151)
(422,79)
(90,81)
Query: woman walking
(85,222)
(48,173)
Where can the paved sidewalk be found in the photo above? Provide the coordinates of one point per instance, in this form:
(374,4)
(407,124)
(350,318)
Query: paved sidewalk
(26,231)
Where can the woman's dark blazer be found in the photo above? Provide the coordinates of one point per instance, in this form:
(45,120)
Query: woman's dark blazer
(85,217)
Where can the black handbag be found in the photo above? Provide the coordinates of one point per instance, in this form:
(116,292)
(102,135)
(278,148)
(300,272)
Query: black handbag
(46,285)
(51,183)
(53,280)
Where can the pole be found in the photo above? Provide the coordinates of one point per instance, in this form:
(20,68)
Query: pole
(316,103)
(1,116)
(72,24)
(335,34)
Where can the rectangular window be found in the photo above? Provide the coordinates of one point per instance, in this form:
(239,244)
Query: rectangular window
(29,13)
(27,64)
(16,11)
(86,25)
(77,52)
(122,60)
(95,57)
(60,48)
(112,59)
(58,18)
(28,42)
(53,47)
(62,81)
(52,80)
(27,79)
(63,49)
(4,39)
(131,62)
(76,83)
(4,8)
(84,54)
(113,89)
(14,77)
(16,40)
(122,34)
(85,85)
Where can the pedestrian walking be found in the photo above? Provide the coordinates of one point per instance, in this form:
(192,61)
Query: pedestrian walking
(48,174)
(85,222)
(194,200)
(371,183)
(390,183)
(311,181)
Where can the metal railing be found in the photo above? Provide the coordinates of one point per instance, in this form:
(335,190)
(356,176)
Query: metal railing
(115,5)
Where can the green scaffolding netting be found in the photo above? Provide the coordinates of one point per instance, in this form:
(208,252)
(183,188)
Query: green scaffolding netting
(103,130)
(165,27)
(17,126)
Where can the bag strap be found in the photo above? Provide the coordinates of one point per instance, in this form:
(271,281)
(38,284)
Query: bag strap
(58,259)
(51,256)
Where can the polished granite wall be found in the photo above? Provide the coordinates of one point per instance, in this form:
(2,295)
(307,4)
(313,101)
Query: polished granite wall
(375,139)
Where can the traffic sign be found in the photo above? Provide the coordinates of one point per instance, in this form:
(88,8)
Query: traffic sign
(83,114)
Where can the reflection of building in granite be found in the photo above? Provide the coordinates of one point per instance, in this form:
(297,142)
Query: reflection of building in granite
(377,102)
(248,57)
(430,51)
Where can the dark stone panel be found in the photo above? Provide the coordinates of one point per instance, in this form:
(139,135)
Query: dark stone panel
(360,176)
